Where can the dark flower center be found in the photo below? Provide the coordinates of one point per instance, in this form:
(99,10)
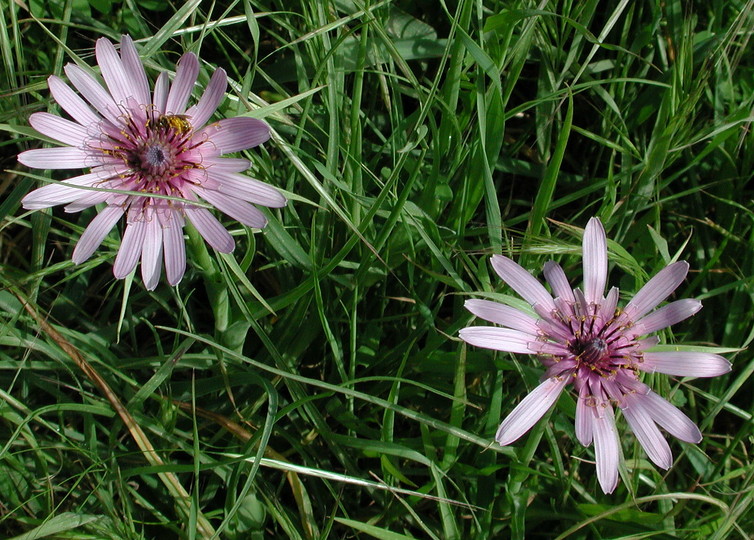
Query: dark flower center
(155,157)
(589,351)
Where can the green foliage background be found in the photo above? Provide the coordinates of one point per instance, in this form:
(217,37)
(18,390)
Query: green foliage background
(311,384)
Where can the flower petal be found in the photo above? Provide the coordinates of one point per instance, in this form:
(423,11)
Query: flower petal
(93,93)
(248,189)
(594,261)
(225,165)
(211,230)
(685,364)
(522,282)
(210,100)
(95,233)
(499,339)
(557,279)
(584,419)
(666,316)
(503,315)
(161,87)
(130,249)
(234,134)
(151,252)
(530,410)
(656,290)
(239,210)
(60,129)
(671,419)
(66,157)
(57,193)
(112,70)
(606,449)
(174,248)
(646,431)
(185,76)
(135,73)
(71,102)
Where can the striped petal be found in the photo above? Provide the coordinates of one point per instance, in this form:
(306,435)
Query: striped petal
(646,432)
(130,249)
(606,448)
(503,315)
(186,73)
(668,315)
(498,339)
(670,418)
(66,157)
(237,209)
(211,230)
(95,233)
(235,134)
(522,282)
(656,290)
(60,129)
(595,261)
(71,102)
(530,410)
(210,100)
(685,364)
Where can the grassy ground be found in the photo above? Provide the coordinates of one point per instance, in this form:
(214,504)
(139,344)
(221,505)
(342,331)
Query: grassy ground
(311,384)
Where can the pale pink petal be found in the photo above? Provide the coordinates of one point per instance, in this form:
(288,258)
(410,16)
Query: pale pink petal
(71,102)
(667,316)
(670,418)
(226,165)
(135,73)
(130,249)
(113,71)
(59,192)
(161,86)
(646,432)
(499,339)
(234,134)
(248,189)
(185,76)
(93,92)
(607,309)
(503,315)
(237,209)
(86,199)
(595,261)
(685,364)
(656,290)
(151,253)
(210,229)
(59,129)
(606,449)
(522,282)
(210,100)
(95,233)
(557,279)
(66,157)
(175,249)
(584,416)
(530,410)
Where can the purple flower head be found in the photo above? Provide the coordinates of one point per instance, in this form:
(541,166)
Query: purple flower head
(150,142)
(583,338)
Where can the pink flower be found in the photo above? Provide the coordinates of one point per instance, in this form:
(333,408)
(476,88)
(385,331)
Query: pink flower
(135,140)
(583,339)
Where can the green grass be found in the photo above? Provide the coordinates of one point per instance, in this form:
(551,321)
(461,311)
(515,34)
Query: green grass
(311,384)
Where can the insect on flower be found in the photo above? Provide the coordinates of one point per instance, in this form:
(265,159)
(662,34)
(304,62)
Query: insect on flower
(584,339)
(178,123)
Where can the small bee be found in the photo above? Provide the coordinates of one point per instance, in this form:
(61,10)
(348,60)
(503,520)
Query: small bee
(177,122)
